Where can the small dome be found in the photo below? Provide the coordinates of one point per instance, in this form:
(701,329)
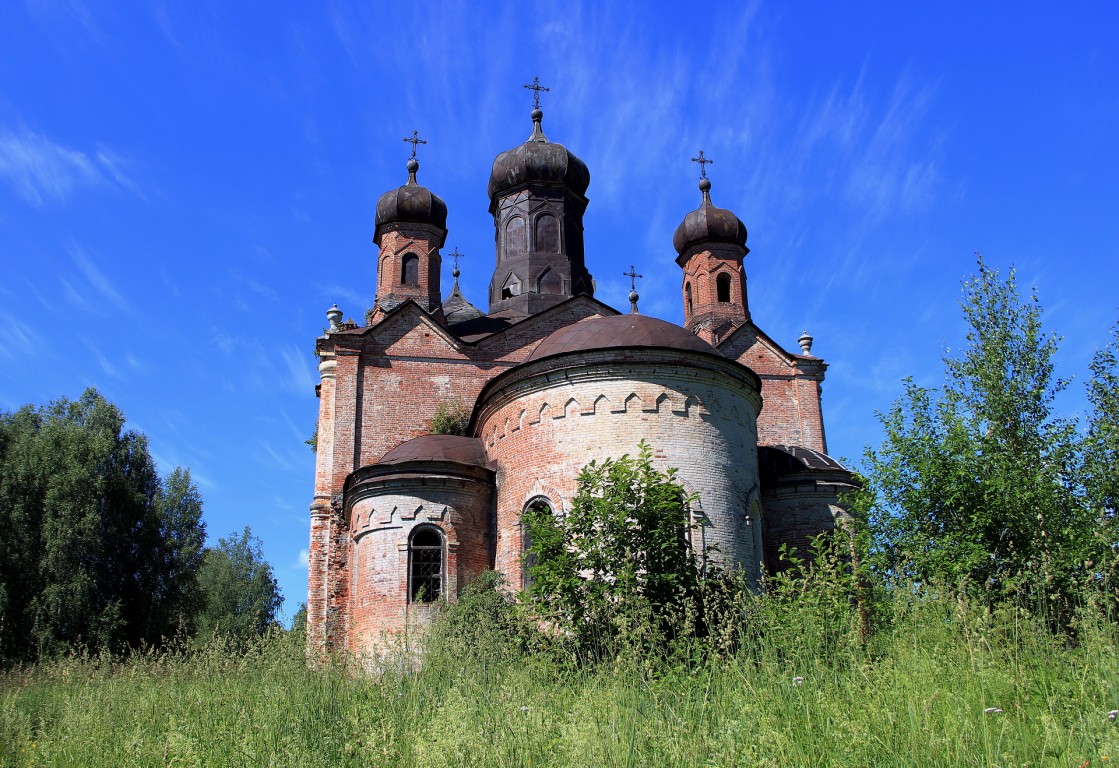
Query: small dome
(461,450)
(708,224)
(411,203)
(538,160)
(620,331)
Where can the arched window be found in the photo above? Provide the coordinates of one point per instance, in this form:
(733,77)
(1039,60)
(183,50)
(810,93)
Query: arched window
(687,296)
(547,234)
(425,565)
(410,270)
(722,287)
(538,506)
(515,236)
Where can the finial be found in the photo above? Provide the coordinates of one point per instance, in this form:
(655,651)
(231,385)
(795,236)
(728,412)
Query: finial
(537,114)
(456,256)
(413,163)
(704,182)
(334,317)
(805,342)
(633,297)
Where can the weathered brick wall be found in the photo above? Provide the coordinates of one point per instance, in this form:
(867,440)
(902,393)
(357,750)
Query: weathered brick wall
(704,314)
(551,417)
(798,507)
(380,524)
(397,241)
(791,412)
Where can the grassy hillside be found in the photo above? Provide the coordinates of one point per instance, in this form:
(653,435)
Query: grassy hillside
(919,695)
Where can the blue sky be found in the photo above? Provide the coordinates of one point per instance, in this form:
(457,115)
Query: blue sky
(185,188)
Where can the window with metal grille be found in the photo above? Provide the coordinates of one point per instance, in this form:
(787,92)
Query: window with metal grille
(425,553)
(528,558)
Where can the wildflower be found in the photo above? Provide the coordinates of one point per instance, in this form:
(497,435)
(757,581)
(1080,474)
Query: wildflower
(524,708)
(1112,715)
(992,711)
(798,681)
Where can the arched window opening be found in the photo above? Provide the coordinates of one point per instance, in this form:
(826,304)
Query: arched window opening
(515,236)
(547,234)
(410,270)
(722,288)
(425,565)
(538,507)
(688,297)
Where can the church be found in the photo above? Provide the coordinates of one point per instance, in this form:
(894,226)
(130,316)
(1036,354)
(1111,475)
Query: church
(550,378)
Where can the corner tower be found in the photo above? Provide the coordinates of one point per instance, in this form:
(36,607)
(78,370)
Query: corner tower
(411,227)
(711,243)
(537,199)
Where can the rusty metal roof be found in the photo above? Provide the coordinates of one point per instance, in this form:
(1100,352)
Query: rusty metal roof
(462,450)
(620,331)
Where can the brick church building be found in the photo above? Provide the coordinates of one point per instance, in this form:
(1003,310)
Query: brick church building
(553,378)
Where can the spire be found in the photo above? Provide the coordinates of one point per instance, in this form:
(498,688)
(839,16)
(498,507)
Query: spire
(633,297)
(537,114)
(413,163)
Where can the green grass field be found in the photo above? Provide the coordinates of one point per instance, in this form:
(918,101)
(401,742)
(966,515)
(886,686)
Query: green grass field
(915,697)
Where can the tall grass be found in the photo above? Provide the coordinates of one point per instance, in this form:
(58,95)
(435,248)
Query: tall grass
(915,695)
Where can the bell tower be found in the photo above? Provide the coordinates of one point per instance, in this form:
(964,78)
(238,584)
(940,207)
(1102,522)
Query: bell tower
(411,227)
(711,243)
(537,199)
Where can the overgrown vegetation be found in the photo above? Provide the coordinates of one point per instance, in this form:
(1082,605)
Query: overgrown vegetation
(451,417)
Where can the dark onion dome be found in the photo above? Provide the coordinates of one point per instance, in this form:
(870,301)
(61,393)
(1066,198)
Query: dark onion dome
(708,224)
(461,450)
(538,161)
(620,331)
(410,203)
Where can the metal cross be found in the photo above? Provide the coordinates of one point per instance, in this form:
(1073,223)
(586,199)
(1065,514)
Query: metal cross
(703,161)
(417,140)
(632,275)
(536,87)
(456,256)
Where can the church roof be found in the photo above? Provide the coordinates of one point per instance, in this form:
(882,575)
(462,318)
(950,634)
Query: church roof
(457,309)
(538,161)
(461,450)
(620,331)
(795,458)
(708,224)
(410,203)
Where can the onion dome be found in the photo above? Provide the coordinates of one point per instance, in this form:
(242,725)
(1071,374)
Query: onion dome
(708,224)
(461,450)
(538,161)
(410,203)
(620,331)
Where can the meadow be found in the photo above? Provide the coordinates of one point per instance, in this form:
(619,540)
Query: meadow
(942,683)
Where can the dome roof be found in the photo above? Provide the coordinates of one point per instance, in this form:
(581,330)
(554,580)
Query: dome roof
(411,203)
(538,160)
(620,331)
(461,450)
(708,224)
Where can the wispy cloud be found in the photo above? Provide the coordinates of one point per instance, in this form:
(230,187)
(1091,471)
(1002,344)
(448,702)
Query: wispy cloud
(302,379)
(41,170)
(17,338)
(302,560)
(102,286)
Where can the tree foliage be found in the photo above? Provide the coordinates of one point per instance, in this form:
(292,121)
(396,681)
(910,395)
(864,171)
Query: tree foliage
(240,595)
(96,550)
(616,569)
(978,482)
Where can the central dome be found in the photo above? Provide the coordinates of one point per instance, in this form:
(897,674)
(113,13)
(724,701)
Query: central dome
(538,161)
(620,331)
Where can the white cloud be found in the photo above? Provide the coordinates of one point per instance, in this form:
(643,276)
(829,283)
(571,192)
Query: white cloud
(42,171)
(302,562)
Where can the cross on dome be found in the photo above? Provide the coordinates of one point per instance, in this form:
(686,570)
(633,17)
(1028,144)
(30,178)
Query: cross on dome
(417,140)
(536,88)
(703,163)
(633,297)
(456,256)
